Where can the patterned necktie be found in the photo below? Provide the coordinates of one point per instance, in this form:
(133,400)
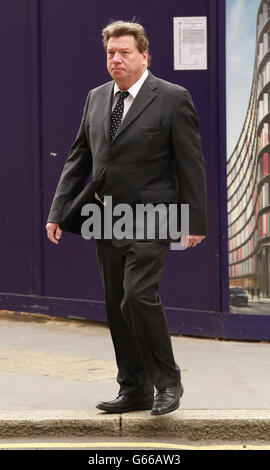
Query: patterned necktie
(117,113)
(116,118)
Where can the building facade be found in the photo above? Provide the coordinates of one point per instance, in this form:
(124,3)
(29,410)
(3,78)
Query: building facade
(248,176)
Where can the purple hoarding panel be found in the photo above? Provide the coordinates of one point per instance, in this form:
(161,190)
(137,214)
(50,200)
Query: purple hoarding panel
(16,234)
(73,61)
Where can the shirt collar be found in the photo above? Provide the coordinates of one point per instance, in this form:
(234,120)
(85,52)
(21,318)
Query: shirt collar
(133,90)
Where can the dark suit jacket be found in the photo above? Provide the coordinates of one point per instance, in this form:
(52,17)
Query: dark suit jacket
(156,155)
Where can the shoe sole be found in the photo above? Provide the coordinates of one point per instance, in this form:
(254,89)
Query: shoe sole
(142,406)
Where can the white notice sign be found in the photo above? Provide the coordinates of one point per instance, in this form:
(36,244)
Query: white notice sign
(190,43)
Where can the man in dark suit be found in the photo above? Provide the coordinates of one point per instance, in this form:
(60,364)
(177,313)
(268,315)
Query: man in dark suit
(141,134)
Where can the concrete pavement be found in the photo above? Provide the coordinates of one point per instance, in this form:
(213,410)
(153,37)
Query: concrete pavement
(53,372)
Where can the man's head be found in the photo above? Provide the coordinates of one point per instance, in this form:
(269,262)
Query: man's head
(126,44)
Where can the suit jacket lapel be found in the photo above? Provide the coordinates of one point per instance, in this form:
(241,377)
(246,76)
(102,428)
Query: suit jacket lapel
(144,97)
(107,107)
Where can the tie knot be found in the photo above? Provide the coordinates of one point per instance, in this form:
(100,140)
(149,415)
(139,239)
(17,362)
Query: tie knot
(123,94)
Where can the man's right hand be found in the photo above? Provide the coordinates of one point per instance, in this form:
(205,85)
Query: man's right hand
(53,232)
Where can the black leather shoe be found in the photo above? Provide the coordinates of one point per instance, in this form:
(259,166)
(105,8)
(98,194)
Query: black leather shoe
(124,403)
(167,399)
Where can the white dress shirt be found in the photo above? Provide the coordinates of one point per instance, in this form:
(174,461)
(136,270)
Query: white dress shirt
(133,90)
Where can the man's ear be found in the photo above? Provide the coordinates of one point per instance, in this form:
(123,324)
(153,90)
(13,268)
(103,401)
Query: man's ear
(145,57)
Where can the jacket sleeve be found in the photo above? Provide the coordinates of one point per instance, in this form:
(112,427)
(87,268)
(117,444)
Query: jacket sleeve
(77,169)
(189,162)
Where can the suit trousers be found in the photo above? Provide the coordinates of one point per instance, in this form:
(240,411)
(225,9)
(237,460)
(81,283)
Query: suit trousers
(136,318)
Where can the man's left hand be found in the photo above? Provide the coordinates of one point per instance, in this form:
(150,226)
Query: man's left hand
(191,240)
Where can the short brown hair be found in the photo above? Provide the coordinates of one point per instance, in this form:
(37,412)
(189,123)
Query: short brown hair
(122,28)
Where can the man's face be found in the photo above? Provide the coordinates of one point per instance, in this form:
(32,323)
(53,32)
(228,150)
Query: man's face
(124,61)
